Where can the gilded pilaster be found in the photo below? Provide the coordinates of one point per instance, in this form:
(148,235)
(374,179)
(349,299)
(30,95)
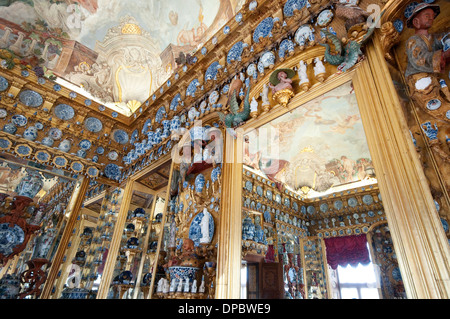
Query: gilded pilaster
(419,240)
(229,252)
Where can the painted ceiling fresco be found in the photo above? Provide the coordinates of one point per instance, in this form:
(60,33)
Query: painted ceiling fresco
(116,52)
(318,146)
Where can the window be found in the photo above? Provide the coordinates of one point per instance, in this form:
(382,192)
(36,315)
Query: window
(358,282)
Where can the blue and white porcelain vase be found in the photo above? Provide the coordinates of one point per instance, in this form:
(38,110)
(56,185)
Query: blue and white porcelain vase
(47,141)
(248,229)
(65,145)
(199,183)
(30,185)
(30,133)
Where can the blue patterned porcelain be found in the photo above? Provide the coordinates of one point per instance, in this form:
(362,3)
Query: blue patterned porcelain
(39,125)
(323,207)
(211,71)
(291,5)
(55,133)
(434,104)
(195,230)
(238,17)
(338,205)
(120,136)
(199,183)
(267,59)
(398,25)
(234,54)
(253,5)
(31,98)
(197,133)
(3,113)
(81,153)
(352,202)
(93,124)
(410,8)
(19,120)
(112,171)
(175,101)
(160,114)
(42,156)
(100,150)
(85,144)
(4,84)
(147,126)
(175,123)
(30,133)
(30,185)
(367,199)
(324,18)
(10,128)
(64,112)
(248,229)
(303,34)
(311,210)
(47,141)
(182,273)
(192,88)
(65,145)
(263,29)
(215,173)
(429,131)
(285,46)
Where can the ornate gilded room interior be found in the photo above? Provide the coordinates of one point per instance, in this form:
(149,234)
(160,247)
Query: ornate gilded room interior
(224,149)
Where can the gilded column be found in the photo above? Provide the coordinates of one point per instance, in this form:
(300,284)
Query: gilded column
(114,247)
(230,237)
(419,240)
(73,210)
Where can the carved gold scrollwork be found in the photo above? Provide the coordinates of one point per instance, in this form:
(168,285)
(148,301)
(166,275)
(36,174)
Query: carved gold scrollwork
(389,38)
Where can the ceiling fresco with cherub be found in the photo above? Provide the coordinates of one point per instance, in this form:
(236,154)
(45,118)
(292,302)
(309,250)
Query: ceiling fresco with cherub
(116,52)
(319,145)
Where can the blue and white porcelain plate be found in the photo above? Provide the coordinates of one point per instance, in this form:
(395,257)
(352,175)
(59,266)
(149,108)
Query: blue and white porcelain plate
(311,210)
(100,150)
(120,136)
(338,205)
(323,207)
(433,104)
(19,120)
(64,112)
(85,144)
(367,199)
(147,126)
(113,155)
(93,124)
(39,126)
(55,133)
(3,113)
(352,202)
(31,98)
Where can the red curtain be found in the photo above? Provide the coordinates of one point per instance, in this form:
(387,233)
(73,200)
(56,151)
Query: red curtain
(347,250)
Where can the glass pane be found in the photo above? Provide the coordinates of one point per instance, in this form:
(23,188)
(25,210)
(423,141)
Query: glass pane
(359,274)
(369,293)
(349,293)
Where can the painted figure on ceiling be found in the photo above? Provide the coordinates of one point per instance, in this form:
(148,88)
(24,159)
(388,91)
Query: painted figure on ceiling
(426,55)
